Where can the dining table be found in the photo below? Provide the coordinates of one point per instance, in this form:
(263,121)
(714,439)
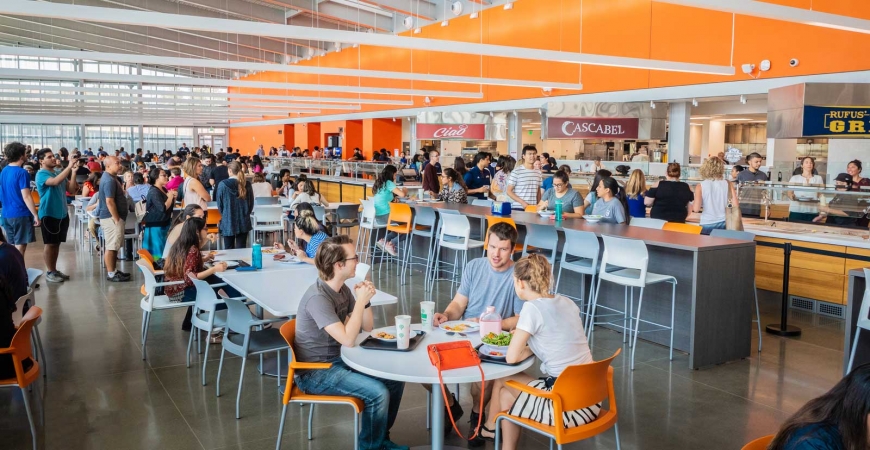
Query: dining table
(414,367)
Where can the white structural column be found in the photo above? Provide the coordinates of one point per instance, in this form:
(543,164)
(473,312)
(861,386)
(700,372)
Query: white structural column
(712,138)
(781,155)
(679,127)
(412,130)
(515,134)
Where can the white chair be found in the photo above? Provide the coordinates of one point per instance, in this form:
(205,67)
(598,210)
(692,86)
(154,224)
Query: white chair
(268,219)
(632,257)
(646,222)
(580,255)
(152,302)
(367,235)
(205,317)
(744,236)
(542,237)
(863,320)
(264,201)
(32,277)
(454,235)
(132,230)
(18,316)
(424,224)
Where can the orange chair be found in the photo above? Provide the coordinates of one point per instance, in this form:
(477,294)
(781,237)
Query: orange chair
(292,393)
(212,220)
(531,208)
(682,228)
(759,444)
(577,387)
(399,221)
(20,350)
(35,196)
(492,220)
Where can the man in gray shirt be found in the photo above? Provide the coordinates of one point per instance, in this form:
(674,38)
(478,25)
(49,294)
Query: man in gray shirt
(750,202)
(112,211)
(329,317)
(485,282)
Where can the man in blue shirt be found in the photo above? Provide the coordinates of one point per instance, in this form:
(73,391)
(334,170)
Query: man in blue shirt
(53,185)
(19,212)
(478,179)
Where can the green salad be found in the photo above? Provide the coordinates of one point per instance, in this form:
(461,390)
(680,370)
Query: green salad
(502,339)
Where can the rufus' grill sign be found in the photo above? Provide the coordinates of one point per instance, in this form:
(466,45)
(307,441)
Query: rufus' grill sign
(592,127)
(443,131)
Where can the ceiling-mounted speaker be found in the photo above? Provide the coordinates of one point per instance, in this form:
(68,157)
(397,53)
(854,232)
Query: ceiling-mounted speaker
(408,23)
(456,8)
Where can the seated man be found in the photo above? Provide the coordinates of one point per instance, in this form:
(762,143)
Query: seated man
(486,282)
(329,317)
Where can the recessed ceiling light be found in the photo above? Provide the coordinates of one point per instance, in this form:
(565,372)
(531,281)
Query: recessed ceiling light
(417,30)
(473,15)
(445,23)
(508,6)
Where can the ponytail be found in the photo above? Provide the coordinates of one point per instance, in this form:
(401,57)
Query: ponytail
(235,168)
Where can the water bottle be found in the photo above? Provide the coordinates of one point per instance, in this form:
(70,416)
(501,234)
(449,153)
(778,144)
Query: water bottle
(490,321)
(257,255)
(558,209)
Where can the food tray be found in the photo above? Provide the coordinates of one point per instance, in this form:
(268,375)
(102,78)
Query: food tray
(487,359)
(377,344)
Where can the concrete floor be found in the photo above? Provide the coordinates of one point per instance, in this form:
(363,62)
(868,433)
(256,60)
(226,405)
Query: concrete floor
(99,394)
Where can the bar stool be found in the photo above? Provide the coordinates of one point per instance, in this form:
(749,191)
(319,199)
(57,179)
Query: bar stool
(682,228)
(368,226)
(454,235)
(542,237)
(492,220)
(424,226)
(399,221)
(580,255)
(646,222)
(744,236)
(632,257)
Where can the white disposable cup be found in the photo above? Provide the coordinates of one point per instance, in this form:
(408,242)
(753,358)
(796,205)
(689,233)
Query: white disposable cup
(427,314)
(403,332)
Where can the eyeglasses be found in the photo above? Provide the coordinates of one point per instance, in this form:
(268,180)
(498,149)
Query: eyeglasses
(355,258)
(558,185)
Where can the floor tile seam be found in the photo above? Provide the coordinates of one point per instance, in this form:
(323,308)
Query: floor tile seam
(714,388)
(168,395)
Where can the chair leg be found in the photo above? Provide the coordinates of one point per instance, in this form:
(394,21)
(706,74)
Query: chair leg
(281,427)
(241,383)
(190,345)
(673,307)
(854,347)
(310,419)
(356,419)
(145,334)
(42,360)
(616,432)
(551,445)
(636,328)
(217,382)
(497,432)
(278,366)
(26,397)
(757,315)
(204,363)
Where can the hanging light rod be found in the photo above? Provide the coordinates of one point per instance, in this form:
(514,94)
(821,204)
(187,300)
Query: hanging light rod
(125,96)
(163,20)
(19,74)
(6,85)
(777,12)
(244,65)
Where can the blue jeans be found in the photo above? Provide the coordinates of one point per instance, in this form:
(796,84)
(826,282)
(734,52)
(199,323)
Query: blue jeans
(381,397)
(706,229)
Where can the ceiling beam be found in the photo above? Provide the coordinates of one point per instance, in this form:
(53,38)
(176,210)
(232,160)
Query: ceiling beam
(314,70)
(126,96)
(777,12)
(61,119)
(420,9)
(107,15)
(18,74)
(154,108)
(338,14)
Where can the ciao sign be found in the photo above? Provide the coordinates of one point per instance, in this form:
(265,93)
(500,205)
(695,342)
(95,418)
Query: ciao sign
(443,131)
(591,127)
(836,121)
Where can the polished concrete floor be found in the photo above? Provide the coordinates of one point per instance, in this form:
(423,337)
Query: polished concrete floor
(100,394)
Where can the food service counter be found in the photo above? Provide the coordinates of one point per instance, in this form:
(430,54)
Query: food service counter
(348,189)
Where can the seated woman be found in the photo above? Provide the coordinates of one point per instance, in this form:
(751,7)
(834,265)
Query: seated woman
(635,190)
(453,188)
(186,257)
(552,328)
(592,196)
(307,229)
(91,186)
(261,187)
(571,202)
(191,210)
(835,421)
(306,193)
(384,191)
(609,204)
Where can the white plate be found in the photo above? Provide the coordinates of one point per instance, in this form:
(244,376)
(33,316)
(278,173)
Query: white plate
(290,260)
(272,251)
(546,213)
(485,349)
(470,326)
(593,218)
(388,330)
(231,264)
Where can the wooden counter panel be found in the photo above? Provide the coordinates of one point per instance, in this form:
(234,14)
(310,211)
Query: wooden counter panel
(768,276)
(817,285)
(351,193)
(810,261)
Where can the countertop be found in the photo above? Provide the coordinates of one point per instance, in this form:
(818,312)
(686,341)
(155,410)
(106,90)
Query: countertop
(819,234)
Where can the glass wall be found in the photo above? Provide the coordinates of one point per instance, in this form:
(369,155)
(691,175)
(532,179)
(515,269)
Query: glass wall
(41,136)
(157,139)
(111,138)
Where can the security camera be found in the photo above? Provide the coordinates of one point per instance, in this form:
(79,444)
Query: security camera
(748,68)
(793,62)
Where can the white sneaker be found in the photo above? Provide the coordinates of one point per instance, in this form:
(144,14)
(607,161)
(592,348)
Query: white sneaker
(54,277)
(391,249)
(380,244)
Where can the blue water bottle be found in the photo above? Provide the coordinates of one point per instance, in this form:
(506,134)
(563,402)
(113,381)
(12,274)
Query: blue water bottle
(558,208)
(257,256)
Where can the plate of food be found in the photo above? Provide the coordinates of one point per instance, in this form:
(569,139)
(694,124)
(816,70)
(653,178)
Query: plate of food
(493,352)
(212,253)
(498,341)
(387,334)
(459,326)
(230,264)
(546,213)
(272,251)
(593,218)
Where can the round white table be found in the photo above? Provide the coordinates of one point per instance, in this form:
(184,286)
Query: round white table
(415,367)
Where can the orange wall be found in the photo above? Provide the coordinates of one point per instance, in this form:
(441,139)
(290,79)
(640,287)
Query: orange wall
(353,137)
(631,28)
(380,133)
(246,140)
(289,136)
(314,135)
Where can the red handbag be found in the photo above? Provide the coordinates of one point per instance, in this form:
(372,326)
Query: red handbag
(456,355)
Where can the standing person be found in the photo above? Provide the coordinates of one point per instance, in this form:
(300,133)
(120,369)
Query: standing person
(357,155)
(552,328)
(208,166)
(19,213)
(235,201)
(596,164)
(711,195)
(752,204)
(13,271)
(506,165)
(523,186)
(260,152)
(459,166)
(670,199)
(453,188)
(572,203)
(257,165)
(804,206)
(175,179)
(328,318)
(194,191)
(854,170)
(430,175)
(112,211)
(735,172)
(384,190)
(609,204)
(220,172)
(53,185)
(159,203)
(635,190)
(478,179)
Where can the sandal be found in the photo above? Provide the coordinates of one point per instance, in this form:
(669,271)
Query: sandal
(489,434)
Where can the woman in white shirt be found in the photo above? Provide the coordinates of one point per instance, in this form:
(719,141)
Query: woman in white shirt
(261,187)
(553,330)
(308,195)
(711,195)
(804,205)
